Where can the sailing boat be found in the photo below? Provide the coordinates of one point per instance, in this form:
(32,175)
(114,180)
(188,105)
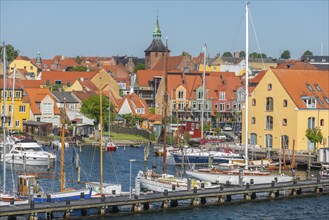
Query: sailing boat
(100,188)
(231,174)
(63,194)
(110,146)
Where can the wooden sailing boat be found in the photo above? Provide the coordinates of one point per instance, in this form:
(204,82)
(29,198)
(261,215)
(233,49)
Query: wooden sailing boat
(100,188)
(235,176)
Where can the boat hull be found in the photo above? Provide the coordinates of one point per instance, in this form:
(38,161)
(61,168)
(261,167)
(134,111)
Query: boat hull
(63,196)
(233,179)
(30,160)
(203,160)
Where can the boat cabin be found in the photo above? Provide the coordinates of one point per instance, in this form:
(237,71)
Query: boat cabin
(27,185)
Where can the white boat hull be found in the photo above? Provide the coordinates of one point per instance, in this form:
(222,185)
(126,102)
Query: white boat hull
(33,160)
(157,186)
(233,179)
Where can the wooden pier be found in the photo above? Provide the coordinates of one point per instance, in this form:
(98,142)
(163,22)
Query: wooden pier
(170,200)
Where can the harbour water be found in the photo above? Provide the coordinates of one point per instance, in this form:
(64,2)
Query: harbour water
(116,169)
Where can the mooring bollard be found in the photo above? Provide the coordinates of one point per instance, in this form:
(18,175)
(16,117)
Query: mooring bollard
(195,190)
(12,200)
(276,179)
(135,196)
(189,184)
(247,186)
(103,198)
(165,192)
(68,200)
(173,187)
(82,195)
(251,181)
(202,186)
(32,204)
(273,183)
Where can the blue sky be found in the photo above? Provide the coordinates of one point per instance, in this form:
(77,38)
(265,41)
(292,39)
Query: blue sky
(106,28)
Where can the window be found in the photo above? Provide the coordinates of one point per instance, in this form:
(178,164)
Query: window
(10,108)
(253,120)
(311,122)
(180,94)
(199,95)
(253,103)
(321,122)
(68,83)
(318,87)
(174,105)
(285,103)
(38,118)
(269,87)
(221,107)
(309,102)
(285,141)
(17,123)
(327,100)
(194,106)
(284,122)
(47,82)
(47,108)
(319,100)
(22,108)
(269,123)
(17,94)
(309,87)
(268,140)
(180,106)
(58,82)
(227,107)
(253,139)
(222,95)
(269,104)
(216,106)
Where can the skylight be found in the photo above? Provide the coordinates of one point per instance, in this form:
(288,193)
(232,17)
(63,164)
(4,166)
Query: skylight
(327,100)
(319,100)
(309,87)
(318,87)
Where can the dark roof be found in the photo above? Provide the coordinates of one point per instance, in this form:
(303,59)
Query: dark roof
(61,95)
(317,59)
(124,60)
(156,46)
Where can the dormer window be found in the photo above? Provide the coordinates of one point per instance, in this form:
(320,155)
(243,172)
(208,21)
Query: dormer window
(222,95)
(318,87)
(310,87)
(310,102)
(180,94)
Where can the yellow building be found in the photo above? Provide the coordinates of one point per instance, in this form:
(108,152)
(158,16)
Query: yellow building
(104,79)
(284,105)
(23,62)
(17,108)
(209,68)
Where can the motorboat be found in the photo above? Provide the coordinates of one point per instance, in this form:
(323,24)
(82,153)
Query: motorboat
(29,152)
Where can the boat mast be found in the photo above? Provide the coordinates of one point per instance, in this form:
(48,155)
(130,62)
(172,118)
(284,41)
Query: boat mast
(203,88)
(100,137)
(165,109)
(247,85)
(12,101)
(109,117)
(61,183)
(4,117)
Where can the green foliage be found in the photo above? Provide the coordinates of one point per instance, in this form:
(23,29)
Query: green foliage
(242,54)
(258,55)
(185,53)
(11,53)
(55,87)
(78,59)
(131,120)
(139,66)
(152,110)
(227,54)
(285,55)
(314,135)
(80,68)
(91,108)
(307,53)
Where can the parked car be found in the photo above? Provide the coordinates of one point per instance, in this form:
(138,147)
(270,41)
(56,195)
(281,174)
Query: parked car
(227,128)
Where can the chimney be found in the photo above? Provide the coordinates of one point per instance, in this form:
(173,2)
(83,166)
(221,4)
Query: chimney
(237,54)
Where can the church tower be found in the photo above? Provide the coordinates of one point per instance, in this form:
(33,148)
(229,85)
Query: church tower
(156,50)
(38,60)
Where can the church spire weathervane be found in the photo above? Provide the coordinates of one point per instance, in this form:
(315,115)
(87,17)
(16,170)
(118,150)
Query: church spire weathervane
(157,32)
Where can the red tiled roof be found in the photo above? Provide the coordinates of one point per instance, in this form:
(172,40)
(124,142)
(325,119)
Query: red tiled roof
(82,95)
(31,83)
(9,83)
(52,76)
(23,58)
(88,85)
(36,95)
(173,62)
(144,76)
(297,65)
(295,83)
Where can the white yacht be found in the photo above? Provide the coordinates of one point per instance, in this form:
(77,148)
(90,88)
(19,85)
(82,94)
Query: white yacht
(29,152)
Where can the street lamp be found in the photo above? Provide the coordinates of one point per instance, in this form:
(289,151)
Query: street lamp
(130,189)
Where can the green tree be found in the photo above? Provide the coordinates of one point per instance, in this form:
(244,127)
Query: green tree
(258,55)
(185,53)
(139,66)
(227,54)
(307,53)
(91,108)
(314,135)
(80,68)
(242,54)
(152,110)
(11,53)
(285,55)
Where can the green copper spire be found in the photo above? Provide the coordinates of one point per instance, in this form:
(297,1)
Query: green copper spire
(157,32)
